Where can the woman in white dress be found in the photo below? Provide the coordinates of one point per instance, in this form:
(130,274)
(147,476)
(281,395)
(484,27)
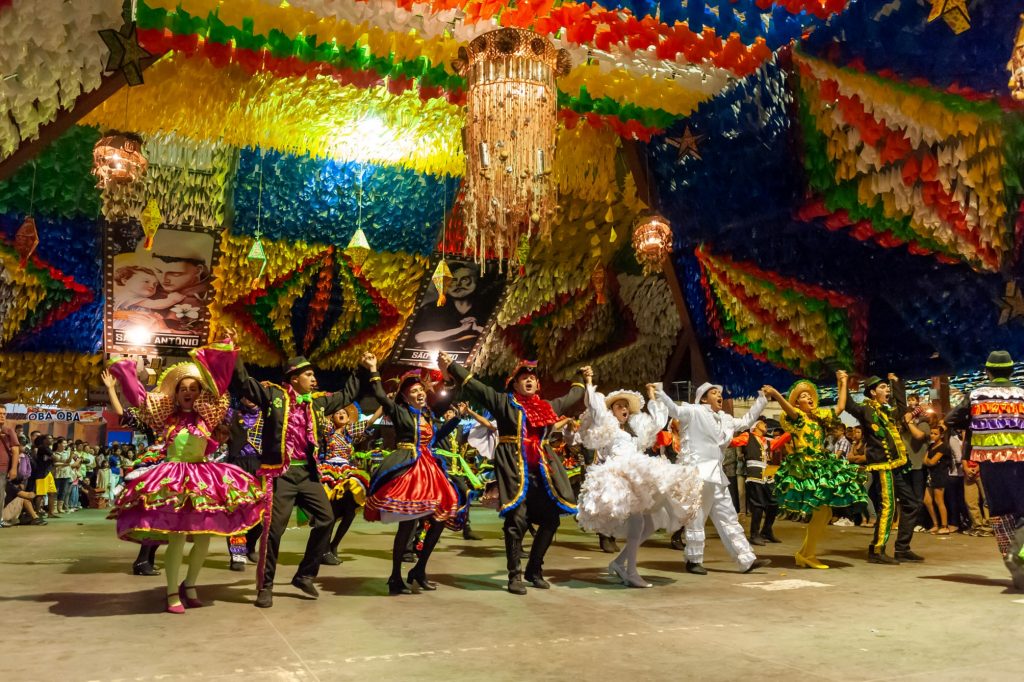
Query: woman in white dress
(626,489)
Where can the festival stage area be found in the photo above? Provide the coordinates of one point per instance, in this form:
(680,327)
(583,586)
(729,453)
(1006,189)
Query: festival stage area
(73,612)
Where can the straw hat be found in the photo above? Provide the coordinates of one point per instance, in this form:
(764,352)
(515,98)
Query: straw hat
(173,375)
(801,386)
(632,398)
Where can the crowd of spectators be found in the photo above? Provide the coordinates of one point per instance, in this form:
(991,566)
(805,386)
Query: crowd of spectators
(44,477)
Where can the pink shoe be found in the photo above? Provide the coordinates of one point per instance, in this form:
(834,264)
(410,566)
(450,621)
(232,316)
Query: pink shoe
(173,608)
(186,600)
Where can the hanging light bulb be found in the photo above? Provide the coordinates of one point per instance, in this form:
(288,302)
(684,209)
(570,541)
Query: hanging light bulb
(117,158)
(652,240)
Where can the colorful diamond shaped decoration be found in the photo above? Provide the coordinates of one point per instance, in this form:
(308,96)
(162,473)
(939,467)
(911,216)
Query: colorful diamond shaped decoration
(318,310)
(43,295)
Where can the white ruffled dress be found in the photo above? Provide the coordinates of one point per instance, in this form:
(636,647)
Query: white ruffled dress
(625,481)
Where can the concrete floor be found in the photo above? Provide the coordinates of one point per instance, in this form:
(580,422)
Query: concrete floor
(72,611)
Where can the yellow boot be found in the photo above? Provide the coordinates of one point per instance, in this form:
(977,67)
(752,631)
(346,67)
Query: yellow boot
(819,522)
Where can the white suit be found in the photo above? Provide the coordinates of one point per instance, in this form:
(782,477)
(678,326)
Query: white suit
(708,433)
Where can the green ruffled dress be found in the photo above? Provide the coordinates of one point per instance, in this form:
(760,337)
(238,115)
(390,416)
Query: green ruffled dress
(811,477)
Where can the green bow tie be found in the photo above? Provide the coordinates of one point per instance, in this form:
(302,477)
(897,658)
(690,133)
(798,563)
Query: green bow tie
(304,398)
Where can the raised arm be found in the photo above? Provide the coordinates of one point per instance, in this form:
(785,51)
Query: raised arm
(244,386)
(481,420)
(842,379)
(346,395)
(475,389)
(684,412)
(748,420)
(899,395)
(575,394)
(111,383)
(445,430)
(786,406)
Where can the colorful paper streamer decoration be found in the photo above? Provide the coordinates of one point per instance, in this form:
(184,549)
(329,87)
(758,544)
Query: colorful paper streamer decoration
(799,327)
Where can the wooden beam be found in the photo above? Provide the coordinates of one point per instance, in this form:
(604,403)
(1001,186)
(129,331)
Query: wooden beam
(635,158)
(687,346)
(30,149)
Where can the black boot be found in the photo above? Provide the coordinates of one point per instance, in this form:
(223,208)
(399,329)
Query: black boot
(513,551)
(766,530)
(695,568)
(608,545)
(468,534)
(678,543)
(516,584)
(755,527)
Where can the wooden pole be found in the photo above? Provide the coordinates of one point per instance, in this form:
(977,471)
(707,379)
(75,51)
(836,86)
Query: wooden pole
(49,132)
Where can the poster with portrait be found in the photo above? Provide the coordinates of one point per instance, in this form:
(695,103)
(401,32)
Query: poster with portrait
(157,300)
(457,327)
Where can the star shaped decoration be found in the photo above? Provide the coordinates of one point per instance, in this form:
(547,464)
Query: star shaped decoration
(126,54)
(1011,305)
(687,144)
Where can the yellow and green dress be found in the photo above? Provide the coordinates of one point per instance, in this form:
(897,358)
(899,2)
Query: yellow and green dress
(811,477)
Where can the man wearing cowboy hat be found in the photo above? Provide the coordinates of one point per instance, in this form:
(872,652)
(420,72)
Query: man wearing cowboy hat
(887,455)
(709,431)
(993,415)
(759,460)
(533,487)
(294,425)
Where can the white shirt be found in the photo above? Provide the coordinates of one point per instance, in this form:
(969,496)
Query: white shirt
(709,433)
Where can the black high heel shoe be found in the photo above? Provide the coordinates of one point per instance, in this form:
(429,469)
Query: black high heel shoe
(421,580)
(396,587)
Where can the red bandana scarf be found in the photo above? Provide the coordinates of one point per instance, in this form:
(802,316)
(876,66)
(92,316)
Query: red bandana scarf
(539,412)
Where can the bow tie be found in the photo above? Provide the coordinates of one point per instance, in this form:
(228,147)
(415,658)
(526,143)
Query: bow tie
(304,398)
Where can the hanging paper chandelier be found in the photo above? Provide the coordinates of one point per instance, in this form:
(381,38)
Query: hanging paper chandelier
(117,158)
(652,241)
(1016,65)
(509,138)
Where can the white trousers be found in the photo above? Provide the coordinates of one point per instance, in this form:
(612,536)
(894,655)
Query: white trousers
(716,503)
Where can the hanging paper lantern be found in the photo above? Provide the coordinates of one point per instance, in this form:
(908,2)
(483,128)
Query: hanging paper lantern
(441,278)
(258,253)
(509,138)
(652,241)
(117,157)
(1016,65)
(26,239)
(151,221)
(358,250)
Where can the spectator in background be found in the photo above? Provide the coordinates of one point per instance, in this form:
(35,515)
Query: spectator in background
(862,513)
(936,466)
(42,477)
(955,489)
(839,445)
(19,502)
(62,475)
(973,498)
(74,502)
(103,487)
(732,466)
(916,432)
(10,455)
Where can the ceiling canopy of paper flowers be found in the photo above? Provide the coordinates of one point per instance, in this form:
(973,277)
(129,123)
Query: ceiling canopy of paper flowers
(842,178)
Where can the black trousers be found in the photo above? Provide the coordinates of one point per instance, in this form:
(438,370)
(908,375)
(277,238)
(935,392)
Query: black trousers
(298,486)
(895,489)
(762,504)
(538,508)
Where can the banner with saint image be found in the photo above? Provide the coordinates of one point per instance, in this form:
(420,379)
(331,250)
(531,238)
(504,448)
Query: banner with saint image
(157,300)
(458,326)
